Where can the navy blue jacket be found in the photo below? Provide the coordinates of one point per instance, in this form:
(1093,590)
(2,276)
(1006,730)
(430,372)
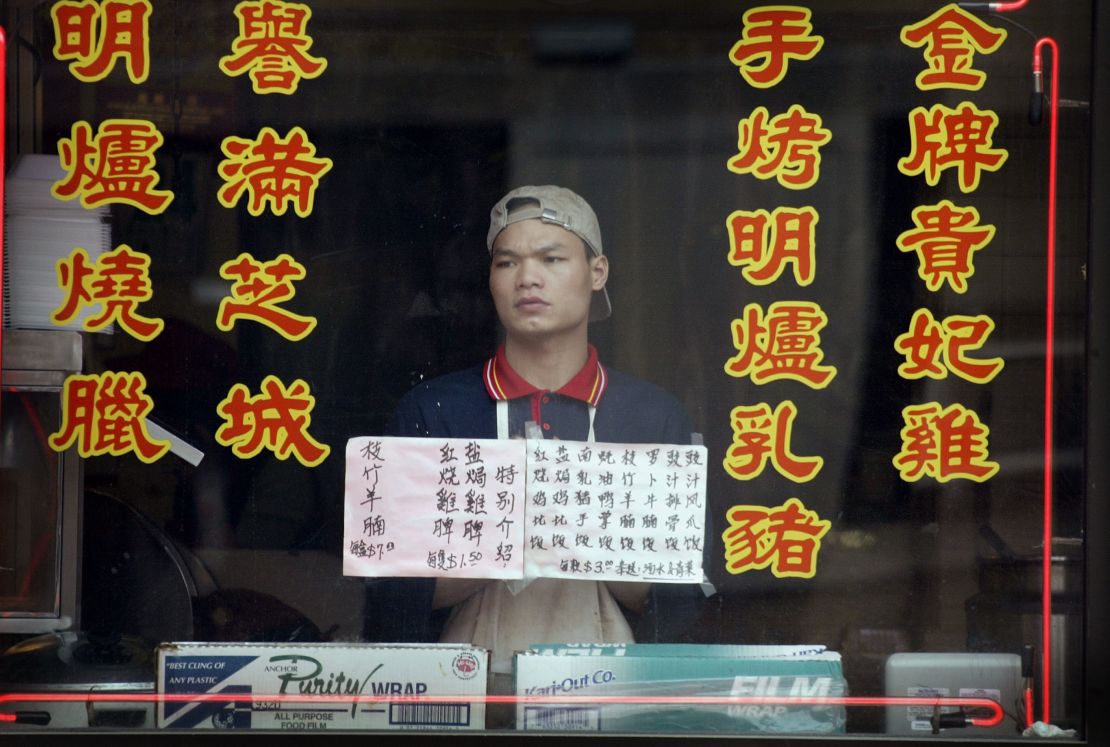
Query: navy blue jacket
(457,406)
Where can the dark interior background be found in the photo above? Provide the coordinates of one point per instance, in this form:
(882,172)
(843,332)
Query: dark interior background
(430,111)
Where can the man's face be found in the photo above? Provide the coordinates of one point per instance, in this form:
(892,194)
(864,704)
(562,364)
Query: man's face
(541,280)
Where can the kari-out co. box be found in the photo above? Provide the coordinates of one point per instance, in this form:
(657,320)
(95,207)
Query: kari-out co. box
(661,670)
(263,676)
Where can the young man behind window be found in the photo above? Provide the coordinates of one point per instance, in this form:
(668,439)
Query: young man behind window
(547,278)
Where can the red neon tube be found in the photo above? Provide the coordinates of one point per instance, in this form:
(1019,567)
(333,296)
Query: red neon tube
(997,713)
(1050,337)
(3,170)
(994,719)
(996,7)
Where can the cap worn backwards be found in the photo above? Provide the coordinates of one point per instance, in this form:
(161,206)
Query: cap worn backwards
(558,206)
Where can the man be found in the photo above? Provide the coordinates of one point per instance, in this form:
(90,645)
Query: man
(547,278)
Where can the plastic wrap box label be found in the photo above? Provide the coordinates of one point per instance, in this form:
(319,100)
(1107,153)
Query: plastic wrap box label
(256,671)
(646,670)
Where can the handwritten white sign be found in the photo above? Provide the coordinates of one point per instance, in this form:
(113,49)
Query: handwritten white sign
(621,512)
(515,509)
(433,507)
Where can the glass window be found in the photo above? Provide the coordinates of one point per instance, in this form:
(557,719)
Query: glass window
(739,351)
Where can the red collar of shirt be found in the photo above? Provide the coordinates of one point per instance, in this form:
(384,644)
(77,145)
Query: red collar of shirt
(503,383)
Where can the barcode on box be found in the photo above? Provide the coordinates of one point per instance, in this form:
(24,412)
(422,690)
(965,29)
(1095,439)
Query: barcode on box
(429,714)
(562,719)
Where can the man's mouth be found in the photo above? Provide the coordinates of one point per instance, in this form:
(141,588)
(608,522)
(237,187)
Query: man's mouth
(531,303)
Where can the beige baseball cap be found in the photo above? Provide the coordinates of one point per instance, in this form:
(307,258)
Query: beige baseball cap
(561,207)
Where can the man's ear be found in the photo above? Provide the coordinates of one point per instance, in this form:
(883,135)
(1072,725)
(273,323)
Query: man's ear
(599,270)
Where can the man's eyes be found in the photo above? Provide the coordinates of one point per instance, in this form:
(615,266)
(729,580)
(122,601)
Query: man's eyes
(504,264)
(507,263)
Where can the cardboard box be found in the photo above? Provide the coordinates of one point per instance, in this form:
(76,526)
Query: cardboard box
(257,670)
(679,670)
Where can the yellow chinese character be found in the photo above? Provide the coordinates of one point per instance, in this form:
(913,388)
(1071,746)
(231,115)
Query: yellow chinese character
(119,280)
(785,147)
(961,139)
(951,37)
(773,35)
(944,443)
(786,538)
(258,290)
(277,418)
(96,35)
(783,344)
(946,238)
(760,435)
(764,243)
(116,166)
(273,46)
(106,414)
(272,171)
(928,342)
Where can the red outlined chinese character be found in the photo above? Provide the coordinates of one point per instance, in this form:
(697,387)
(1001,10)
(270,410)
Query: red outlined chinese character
(116,166)
(94,35)
(760,435)
(783,344)
(773,35)
(763,243)
(786,538)
(951,37)
(273,46)
(961,138)
(274,171)
(923,347)
(928,342)
(945,238)
(119,280)
(276,419)
(106,414)
(785,147)
(257,291)
(943,443)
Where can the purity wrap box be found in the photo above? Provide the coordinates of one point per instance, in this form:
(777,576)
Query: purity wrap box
(639,670)
(352,684)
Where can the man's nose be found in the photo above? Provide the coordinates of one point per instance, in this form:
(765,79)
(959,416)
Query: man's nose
(529,274)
